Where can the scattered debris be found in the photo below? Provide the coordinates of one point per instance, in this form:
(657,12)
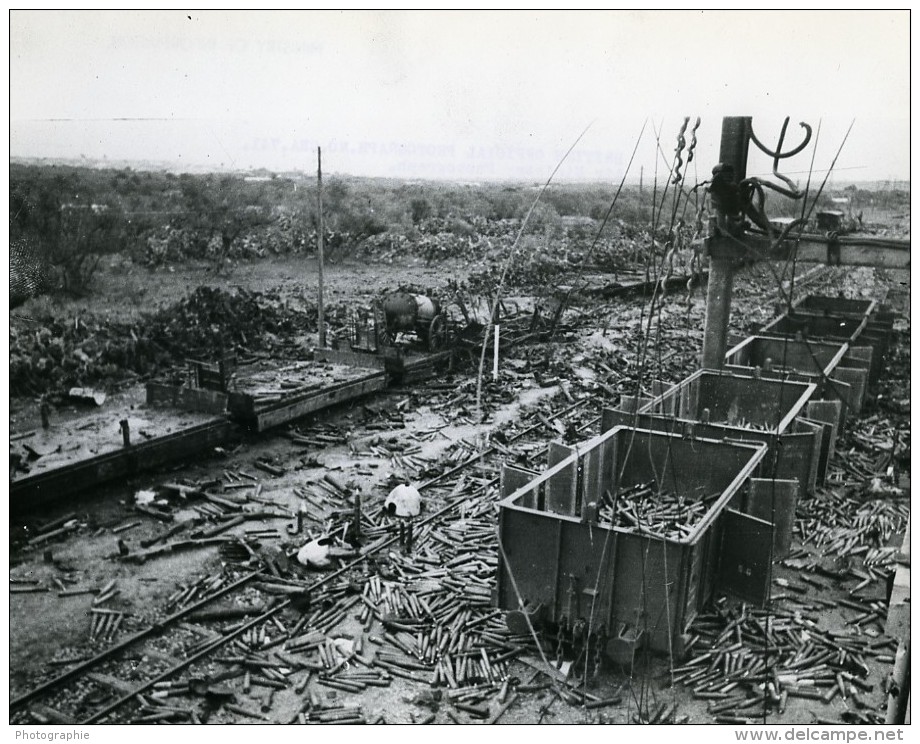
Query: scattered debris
(404,501)
(87,395)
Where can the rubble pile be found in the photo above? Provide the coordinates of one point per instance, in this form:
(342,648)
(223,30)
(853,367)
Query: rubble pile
(87,351)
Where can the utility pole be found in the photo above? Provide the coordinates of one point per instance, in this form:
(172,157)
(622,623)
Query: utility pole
(730,240)
(730,171)
(319,246)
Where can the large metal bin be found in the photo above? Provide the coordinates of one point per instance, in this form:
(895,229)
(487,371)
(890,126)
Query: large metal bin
(868,339)
(839,371)
(571,574)
(720,405)
(808,357)
(814,326)
(880,317)
(839,306)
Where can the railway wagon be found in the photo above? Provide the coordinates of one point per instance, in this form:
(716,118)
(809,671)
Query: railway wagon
(578,560)
(840,371)
(799,431)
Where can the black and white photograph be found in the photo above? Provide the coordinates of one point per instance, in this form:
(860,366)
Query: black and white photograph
(543,367)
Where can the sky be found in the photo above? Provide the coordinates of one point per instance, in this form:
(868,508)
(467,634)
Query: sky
(459,95)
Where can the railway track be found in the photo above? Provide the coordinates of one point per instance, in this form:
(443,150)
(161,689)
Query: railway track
(422,615)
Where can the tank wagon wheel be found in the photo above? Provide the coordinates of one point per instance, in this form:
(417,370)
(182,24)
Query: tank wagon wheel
(437,333)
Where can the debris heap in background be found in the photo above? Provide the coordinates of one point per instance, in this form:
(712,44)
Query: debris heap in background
(56,355)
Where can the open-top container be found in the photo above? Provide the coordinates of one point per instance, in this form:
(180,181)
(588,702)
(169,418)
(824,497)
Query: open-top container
(781,413)
(867,338)
(839,371)
(840,306)
(564,568)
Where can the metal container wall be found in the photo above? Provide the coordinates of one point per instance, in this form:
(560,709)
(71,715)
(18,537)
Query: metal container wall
(814,326)
(808,357)
(866,331)
(839,306)
(840,371)
(555,556)
(735,405)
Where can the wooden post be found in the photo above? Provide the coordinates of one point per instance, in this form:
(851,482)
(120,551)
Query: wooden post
(733,151)
(718,311)
(495,355)
(321,323)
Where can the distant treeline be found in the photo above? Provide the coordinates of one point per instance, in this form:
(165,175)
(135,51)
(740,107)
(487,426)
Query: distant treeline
(73,215)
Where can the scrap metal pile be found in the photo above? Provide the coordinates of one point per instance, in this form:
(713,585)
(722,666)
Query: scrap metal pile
(647,510)
(412,600)
(52,355)
(748,663)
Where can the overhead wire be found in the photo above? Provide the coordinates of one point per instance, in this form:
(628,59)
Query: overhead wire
(642,355)
(507,265)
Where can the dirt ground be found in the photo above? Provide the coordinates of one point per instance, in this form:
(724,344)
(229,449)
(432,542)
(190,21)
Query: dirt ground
(123,289)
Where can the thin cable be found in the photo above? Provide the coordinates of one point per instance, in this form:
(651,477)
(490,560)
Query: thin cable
(830,170)
(795,257)
(597,236)
(507,564)
(504,274)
